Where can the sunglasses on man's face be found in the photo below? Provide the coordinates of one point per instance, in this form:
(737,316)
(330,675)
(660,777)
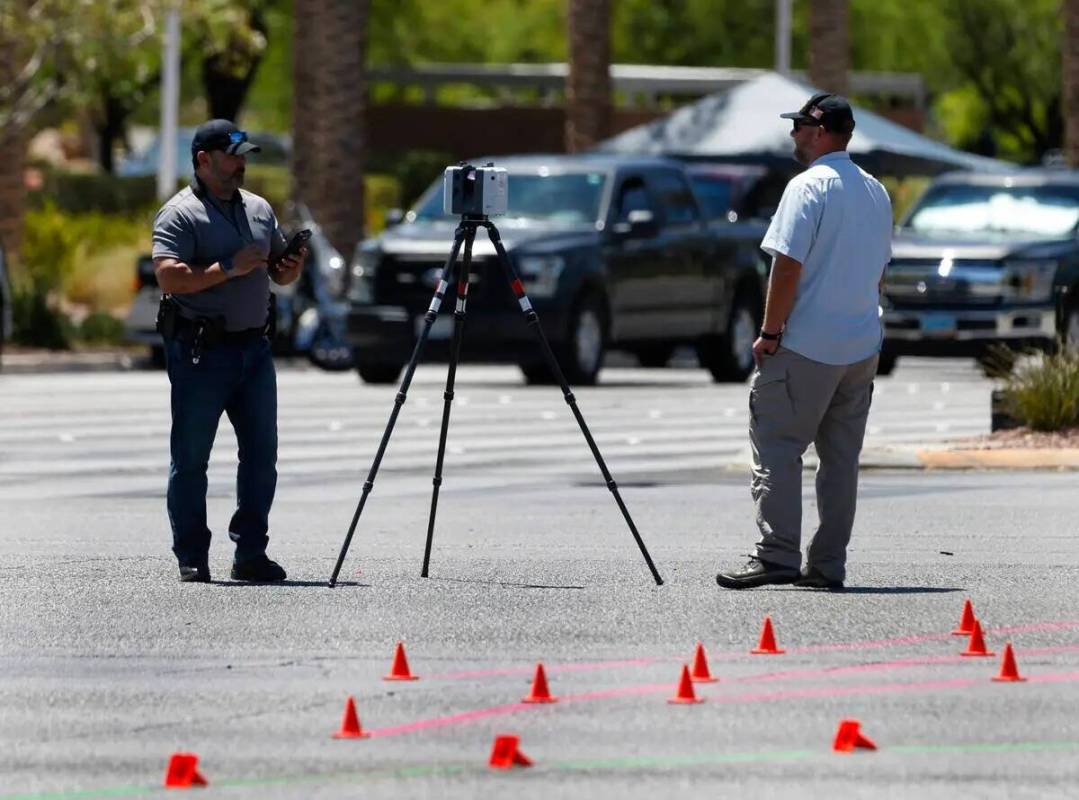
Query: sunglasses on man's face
(801,123)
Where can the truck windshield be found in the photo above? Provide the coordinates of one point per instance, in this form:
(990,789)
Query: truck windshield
(562,199)
(1017,211)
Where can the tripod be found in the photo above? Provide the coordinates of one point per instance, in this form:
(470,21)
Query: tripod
(465,235)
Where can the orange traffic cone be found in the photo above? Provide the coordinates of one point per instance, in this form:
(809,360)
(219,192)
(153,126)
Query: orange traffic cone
(849,736)
(183,772)
(350,723)
(966,622)
(540,693)
(685,692)
(976,645)
(1008,670)
(700,672)
(400,671)
(767,644)
(505,755)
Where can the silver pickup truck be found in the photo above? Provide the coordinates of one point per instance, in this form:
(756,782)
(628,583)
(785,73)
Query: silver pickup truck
(984,259)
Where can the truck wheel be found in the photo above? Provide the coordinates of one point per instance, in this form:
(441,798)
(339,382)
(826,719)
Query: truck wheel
(730,357)
(887,362)
(581,354)
(654,355)
(379,372)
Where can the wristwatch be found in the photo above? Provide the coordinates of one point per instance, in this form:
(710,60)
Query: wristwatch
(226,266)
(770,337)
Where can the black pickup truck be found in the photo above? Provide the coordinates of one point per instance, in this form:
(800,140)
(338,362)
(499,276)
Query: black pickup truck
(614,253)
(985,259)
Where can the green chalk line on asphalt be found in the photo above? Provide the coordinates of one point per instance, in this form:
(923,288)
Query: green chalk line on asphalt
(633,762)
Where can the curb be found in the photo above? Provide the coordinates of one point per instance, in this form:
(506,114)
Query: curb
(926,457)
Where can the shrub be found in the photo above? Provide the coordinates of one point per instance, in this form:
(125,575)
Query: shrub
(101,327)
(1043,393)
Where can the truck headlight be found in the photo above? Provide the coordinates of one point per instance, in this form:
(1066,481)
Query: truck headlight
(540,274)
(362,276)
(1030,280)
(334,273)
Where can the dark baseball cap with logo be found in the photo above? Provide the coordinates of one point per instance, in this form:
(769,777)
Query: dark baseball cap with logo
(831,111)
(220,134)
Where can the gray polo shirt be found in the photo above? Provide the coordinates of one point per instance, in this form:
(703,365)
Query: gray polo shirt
(198,229)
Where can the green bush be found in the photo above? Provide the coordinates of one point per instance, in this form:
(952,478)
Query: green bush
(1043,392)
(35,322)
(101,327)
(77,192)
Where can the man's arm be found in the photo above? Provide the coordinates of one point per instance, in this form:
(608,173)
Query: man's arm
(782,291)
(176,277)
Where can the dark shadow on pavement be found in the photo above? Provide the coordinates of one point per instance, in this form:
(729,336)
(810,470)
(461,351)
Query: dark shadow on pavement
(878,589)
(323,584)
(482,582)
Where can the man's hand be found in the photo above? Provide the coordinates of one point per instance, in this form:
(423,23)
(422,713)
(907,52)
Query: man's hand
(762,348)
(288,269)
(247,259)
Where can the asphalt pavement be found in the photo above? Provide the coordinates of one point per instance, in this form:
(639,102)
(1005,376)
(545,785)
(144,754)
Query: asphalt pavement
(109,665)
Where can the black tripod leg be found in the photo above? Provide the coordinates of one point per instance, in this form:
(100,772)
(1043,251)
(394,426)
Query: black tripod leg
(556,370)
(462,276)
(402,393)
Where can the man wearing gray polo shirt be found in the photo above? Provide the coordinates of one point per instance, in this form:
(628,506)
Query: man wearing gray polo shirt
(817,352)
(215,249)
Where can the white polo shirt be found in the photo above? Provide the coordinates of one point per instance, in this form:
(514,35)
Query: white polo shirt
(836,219)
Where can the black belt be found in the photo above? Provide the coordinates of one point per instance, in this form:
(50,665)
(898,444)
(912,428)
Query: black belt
(187,326)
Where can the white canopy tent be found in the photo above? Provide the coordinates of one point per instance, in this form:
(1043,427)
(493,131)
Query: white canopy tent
(743,124)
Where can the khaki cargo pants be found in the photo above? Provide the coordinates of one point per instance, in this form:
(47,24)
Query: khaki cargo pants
(795,401)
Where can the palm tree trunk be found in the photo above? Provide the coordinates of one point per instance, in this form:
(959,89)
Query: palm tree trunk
(588,86)
(329,113)
(13,144)
(1069,51)
(829,45)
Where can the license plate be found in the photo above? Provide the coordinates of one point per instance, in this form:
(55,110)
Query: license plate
(938,325)
(441,329)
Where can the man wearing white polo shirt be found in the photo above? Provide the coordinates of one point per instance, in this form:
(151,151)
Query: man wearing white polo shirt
(817,353)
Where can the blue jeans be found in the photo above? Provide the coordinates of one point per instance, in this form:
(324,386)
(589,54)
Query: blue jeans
(239,380)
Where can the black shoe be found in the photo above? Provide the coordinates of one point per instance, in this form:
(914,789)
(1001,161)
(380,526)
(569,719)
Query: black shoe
(258,570)
(756,573)
(815,580)
(194,574)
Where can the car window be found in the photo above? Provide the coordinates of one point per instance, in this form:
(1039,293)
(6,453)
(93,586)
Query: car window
(716,195)
(679,206)
(997,211)
(633,196)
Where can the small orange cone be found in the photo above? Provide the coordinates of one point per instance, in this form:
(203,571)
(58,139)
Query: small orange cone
(400,671)
(540,693)
(183,772)
(849,737)
(966,622)
(700,672)
(767,644)
(350,723)
(1008,670)
(976,645)
(505,755)
(685,692)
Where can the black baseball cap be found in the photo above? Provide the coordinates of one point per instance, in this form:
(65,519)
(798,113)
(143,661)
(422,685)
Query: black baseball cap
(832,111)
(221,134)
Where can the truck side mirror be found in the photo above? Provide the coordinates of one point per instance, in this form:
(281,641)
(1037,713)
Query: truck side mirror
(394,216)
(639,224)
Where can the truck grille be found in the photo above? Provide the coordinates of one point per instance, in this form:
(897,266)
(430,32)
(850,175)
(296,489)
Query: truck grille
(923,283)
(410,281)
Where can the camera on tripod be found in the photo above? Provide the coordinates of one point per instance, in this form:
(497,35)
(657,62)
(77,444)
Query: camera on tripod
(475,191)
